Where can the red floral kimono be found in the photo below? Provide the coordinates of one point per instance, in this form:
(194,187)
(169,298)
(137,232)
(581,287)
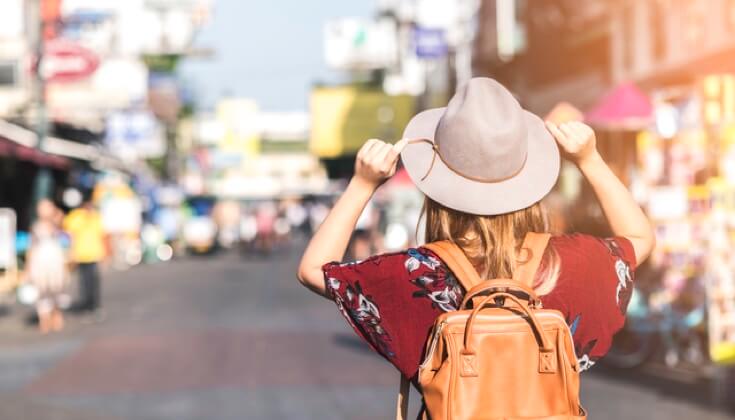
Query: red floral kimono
(391,300)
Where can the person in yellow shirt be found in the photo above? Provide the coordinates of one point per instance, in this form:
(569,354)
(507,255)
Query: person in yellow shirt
(88,249)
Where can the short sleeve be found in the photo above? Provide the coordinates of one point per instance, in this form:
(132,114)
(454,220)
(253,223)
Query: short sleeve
(392,300)
(593,290)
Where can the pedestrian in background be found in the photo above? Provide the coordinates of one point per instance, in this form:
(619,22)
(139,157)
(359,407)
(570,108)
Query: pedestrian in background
(46,268)
(88,250)
(484,165)
(265,220)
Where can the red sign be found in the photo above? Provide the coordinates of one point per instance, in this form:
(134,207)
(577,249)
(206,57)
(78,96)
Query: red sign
(65,61)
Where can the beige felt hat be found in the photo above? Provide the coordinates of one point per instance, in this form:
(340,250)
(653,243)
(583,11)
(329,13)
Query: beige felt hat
(481,154)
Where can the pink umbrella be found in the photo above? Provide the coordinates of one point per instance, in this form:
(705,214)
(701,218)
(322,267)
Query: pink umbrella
(400,179)
(625,107)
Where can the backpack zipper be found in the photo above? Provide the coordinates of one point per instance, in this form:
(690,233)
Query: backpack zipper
(432,347)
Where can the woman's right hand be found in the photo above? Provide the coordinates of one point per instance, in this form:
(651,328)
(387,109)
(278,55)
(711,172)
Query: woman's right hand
(376,161)
(576,139)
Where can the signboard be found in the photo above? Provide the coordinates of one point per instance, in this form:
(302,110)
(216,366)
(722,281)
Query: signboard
(343,118)
(119,83)
(135,134)
(164,98)
(360,44)
(720,277)
(239,118)
(64,61)
(7,239)
(430,43)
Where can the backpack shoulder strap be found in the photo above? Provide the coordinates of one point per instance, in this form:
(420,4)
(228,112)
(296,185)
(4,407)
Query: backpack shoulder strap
(532,251)
(402,405)
(462,268)
(457,261)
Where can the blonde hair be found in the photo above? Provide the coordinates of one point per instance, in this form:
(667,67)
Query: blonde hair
(492,243)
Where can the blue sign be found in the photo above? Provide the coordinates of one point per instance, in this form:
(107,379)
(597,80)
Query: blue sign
(430,43)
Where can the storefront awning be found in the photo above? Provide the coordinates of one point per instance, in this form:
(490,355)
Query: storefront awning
(22,142)
(29,154)
(625,107)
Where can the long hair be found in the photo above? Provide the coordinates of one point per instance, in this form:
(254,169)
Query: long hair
(492,243)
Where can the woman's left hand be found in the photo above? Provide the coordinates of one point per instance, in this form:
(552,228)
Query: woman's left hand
(376,161)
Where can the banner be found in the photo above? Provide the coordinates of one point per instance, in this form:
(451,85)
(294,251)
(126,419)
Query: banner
(7,239)
(343,118)
(360,44)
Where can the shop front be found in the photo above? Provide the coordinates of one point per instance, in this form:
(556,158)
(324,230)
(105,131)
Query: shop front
(683,174)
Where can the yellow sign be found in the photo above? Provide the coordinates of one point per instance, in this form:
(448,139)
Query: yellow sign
(239,120)
(344,117)
(718,91)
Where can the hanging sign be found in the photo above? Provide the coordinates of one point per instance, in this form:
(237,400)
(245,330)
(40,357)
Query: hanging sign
(65,61)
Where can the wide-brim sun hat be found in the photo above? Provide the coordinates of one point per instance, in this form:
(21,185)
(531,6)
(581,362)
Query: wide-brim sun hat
(481,154)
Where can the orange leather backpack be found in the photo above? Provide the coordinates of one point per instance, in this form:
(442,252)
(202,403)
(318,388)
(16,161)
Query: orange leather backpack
(501,356)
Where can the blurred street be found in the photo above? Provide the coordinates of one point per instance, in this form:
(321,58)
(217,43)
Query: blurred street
(237,338)
(163,162)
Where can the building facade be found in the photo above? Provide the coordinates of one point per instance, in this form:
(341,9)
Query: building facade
(576,51)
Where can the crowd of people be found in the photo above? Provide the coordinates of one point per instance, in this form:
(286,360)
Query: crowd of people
(270,226)
(65,249)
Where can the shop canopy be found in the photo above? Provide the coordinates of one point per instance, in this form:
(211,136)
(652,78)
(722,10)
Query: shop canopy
(30,154)
(22,143)
(624,108)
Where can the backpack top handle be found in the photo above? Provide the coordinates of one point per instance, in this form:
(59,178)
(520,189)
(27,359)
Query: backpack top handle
(499,285)
(543,341)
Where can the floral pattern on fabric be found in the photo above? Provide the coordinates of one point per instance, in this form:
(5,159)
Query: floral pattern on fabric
(623,273)
(585,360)
(442,288)
(362,313)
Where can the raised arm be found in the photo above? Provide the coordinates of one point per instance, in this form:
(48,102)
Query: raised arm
(376,161)
(625,217)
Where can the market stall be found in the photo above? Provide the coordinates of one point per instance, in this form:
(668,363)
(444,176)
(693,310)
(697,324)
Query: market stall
(684,176)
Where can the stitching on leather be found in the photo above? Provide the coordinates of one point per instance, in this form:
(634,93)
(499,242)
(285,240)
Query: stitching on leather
(469,365)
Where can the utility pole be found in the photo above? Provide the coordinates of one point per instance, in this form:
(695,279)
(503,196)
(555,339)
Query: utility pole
(462,60)
(43,183)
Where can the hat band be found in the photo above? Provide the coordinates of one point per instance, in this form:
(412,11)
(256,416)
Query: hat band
(435,149)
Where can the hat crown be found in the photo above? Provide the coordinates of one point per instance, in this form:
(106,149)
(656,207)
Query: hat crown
(482,132)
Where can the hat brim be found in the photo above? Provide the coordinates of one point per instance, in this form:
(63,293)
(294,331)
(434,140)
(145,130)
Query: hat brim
(530,185)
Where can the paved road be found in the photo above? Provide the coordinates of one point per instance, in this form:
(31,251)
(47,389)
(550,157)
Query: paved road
(228,338)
